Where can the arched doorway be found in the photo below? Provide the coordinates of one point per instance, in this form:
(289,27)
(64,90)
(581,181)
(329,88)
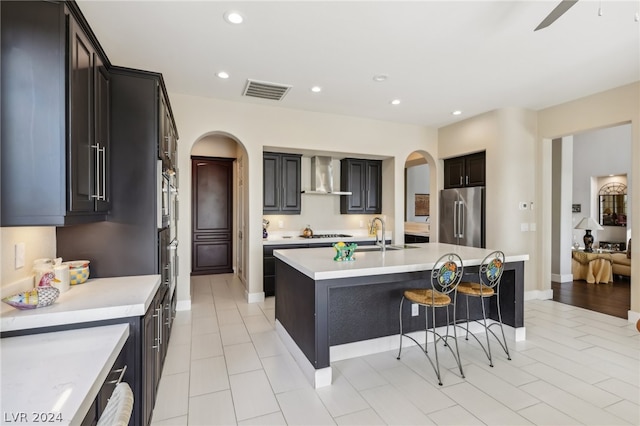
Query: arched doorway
(218,149)
(421,198)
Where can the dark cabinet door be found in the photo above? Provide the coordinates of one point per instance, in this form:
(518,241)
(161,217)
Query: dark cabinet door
(373,185)
(102,136)
(290,202)
(212,219)
(454,171)
(352,179)
(468,170)
(81,152)
(281,183)
(271,188)
(363,178)
(475,169)
(149,352)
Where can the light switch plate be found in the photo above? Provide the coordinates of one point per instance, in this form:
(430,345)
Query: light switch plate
(19,255)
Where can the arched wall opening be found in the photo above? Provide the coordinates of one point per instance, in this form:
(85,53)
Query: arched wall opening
(218,144)
(421,195)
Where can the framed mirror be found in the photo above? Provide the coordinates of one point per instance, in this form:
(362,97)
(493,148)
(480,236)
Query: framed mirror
(613,204)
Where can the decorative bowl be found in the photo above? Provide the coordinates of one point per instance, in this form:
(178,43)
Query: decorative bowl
(78,271)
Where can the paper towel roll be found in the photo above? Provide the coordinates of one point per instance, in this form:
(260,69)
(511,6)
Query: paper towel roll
(62,274)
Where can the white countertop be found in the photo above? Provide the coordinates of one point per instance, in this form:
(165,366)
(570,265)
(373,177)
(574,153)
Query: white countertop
(277,238)
(318,263)
(57,374)
(417,228)
(95,300)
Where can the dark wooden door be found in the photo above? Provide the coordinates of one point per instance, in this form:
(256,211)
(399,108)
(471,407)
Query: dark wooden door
(212,219)
(454,173)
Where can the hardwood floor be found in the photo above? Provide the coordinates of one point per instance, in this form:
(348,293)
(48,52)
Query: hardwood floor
(611,299)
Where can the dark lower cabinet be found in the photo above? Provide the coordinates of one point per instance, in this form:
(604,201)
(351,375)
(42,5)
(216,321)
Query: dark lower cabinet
(409,238)
(269,266)
(117,374)
(155,338)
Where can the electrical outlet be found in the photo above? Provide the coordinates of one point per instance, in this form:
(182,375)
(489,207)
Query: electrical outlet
(362,224)
(280,224)
(414,310)
(19,252)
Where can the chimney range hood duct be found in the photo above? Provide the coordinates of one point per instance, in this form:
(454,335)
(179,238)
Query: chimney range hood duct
(322,177)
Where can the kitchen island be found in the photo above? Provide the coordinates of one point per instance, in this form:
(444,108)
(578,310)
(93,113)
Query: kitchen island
(327,310)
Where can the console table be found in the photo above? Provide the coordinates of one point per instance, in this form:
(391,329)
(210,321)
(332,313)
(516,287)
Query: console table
(591,267)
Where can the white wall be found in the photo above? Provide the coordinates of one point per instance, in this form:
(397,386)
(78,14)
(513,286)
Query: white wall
(40,242)
(508,136)
(606,109)
(256,127)
(596,155)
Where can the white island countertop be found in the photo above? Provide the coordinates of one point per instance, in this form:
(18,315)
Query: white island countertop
(53,378)
(318,263)
(96,300)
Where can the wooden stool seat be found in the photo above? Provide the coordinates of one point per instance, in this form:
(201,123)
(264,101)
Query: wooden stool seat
(475,289)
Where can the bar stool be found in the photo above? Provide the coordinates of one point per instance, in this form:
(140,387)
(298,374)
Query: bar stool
(445,276)
(488,285)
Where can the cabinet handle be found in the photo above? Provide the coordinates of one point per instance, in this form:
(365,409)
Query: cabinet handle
(467,180)
(100,182)
(121,371)
(104,173)
(96,185)
(159,328)
(460,180)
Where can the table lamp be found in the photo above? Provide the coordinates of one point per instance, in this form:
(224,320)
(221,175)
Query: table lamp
(587,223)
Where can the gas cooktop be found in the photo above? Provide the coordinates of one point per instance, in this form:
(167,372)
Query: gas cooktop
(328,236)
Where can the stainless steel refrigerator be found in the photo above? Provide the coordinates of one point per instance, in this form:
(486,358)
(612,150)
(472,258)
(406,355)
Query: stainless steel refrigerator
(462,216)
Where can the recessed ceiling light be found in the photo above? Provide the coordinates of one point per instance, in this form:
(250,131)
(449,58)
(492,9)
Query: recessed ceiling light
(223,74)
(316,89)
(233,17)
(457,112)
(380,77)
(395,102)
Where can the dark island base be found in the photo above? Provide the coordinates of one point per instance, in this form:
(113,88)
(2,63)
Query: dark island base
(324,313)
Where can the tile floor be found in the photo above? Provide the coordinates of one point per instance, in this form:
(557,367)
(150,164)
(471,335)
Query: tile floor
(226,366)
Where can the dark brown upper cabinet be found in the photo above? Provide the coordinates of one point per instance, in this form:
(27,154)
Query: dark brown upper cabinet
(55,117)
(281,183)
(363,178)
(468,170)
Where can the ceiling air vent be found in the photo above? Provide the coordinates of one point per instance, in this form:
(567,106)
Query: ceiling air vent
(265,90)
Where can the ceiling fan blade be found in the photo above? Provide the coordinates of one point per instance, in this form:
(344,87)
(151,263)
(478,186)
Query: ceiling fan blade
(559,10)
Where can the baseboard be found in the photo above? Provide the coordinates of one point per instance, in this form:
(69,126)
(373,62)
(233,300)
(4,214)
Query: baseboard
(538,295)
(183,305)
(562,278)
(254,297)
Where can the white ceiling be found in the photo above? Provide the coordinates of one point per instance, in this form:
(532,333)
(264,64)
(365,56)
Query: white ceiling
(439,56)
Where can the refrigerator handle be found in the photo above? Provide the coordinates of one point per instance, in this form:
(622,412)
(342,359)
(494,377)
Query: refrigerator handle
(455,219)
(461,219)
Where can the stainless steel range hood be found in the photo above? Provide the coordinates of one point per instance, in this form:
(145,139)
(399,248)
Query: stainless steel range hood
(322,177)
